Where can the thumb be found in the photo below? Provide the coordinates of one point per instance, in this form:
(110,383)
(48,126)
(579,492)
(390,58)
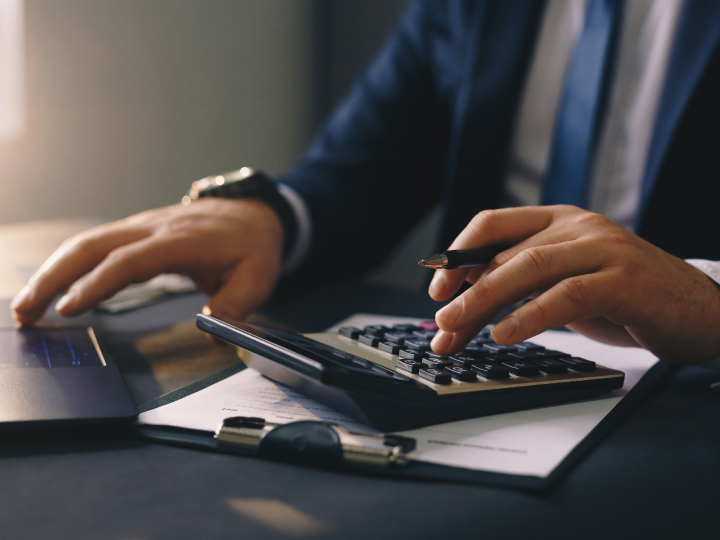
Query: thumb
(248,286)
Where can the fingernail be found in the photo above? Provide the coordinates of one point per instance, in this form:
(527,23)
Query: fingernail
(20,298)
(450,313)
(66,300)
(437,283)
(505,329)
(441,341)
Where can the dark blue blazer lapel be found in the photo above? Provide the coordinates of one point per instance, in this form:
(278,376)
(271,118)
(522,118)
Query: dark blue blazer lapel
(696,38)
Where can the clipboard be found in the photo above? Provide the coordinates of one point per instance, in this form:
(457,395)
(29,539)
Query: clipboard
(325,449)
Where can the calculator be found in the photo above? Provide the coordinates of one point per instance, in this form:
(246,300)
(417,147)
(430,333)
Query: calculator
(389,378)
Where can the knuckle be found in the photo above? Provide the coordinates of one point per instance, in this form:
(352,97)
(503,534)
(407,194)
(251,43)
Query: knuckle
(484,221)
(575,291)
(592,219)
(535,260)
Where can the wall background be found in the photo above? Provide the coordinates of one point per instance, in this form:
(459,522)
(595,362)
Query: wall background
(128,101)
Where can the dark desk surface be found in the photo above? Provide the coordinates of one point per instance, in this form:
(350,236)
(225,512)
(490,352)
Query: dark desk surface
(656,476)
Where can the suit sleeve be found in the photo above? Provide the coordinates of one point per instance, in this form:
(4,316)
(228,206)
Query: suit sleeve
(376,166)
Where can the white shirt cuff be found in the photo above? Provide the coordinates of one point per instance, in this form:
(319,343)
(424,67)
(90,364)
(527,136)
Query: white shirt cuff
(302,241)
(710,268)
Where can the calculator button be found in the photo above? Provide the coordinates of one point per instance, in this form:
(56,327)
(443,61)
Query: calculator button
(491,371)
(376,330)
(436,363)
(392,348)
(548,353)
(494,347)
(495,358)
(398,337)
(480,341)
(521,368)
(435,375)
(413,366)
(405,328)
(431,354)
(472,350)
(461,374)
(424,334)
(526,355)
(464,361)
(550,366)
(429,325)
(349,331)
(411,355)
(420,345)
(527,346)
(369,340)
(579,364)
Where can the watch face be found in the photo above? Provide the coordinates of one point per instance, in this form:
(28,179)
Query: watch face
(223,185)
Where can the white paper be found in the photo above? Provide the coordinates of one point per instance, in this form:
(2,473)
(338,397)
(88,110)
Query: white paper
(524,443)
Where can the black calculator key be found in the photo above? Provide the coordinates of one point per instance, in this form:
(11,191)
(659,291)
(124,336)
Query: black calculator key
(494,347)
(392,348)
(350,331)
(421,345)
(527,355)
(425,334)
(550,366)
(398,337)
(521,368)
(549,353)
(527,346)
(436,363)
(490,371)
(434,356)
(461,374)
(472,350)
(480,341)
(435,375)
(413,366)
(371,340)
(579,364)
(465,361)
(495,358)
(411,355)
(376,330)
(406,328)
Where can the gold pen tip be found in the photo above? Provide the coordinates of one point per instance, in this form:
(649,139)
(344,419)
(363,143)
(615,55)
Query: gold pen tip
(436,261)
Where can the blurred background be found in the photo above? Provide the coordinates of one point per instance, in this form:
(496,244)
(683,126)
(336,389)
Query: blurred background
(110,107)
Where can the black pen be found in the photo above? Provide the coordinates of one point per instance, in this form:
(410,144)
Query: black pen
(462,258)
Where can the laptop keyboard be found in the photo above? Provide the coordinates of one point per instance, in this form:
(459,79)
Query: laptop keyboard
(482,359)
(44,348)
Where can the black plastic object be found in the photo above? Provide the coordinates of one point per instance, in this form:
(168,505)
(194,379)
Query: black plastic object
(309,443)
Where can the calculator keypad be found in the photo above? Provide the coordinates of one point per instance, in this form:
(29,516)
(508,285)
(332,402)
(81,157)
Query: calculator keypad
(482,360)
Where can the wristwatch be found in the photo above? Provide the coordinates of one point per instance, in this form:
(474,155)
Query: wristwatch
(246,183)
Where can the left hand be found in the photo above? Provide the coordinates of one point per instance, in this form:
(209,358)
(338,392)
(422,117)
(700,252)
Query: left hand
(584,272)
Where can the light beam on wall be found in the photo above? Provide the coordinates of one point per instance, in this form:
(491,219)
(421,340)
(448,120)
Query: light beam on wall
(12,84)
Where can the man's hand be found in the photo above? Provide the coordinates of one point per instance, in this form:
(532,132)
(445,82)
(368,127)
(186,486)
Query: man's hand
(585,272)
(231,248)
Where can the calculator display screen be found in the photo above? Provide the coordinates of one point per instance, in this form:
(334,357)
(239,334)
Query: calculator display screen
(49,348)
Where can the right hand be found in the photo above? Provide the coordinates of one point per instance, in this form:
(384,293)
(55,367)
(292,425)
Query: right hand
(232,249)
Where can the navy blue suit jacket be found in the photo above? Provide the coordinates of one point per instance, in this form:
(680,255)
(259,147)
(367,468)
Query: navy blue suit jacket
(431,121)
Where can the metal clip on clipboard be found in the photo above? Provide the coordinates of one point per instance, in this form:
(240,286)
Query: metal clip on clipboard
(312,443)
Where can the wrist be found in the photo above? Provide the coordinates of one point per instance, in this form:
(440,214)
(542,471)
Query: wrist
(247,184)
